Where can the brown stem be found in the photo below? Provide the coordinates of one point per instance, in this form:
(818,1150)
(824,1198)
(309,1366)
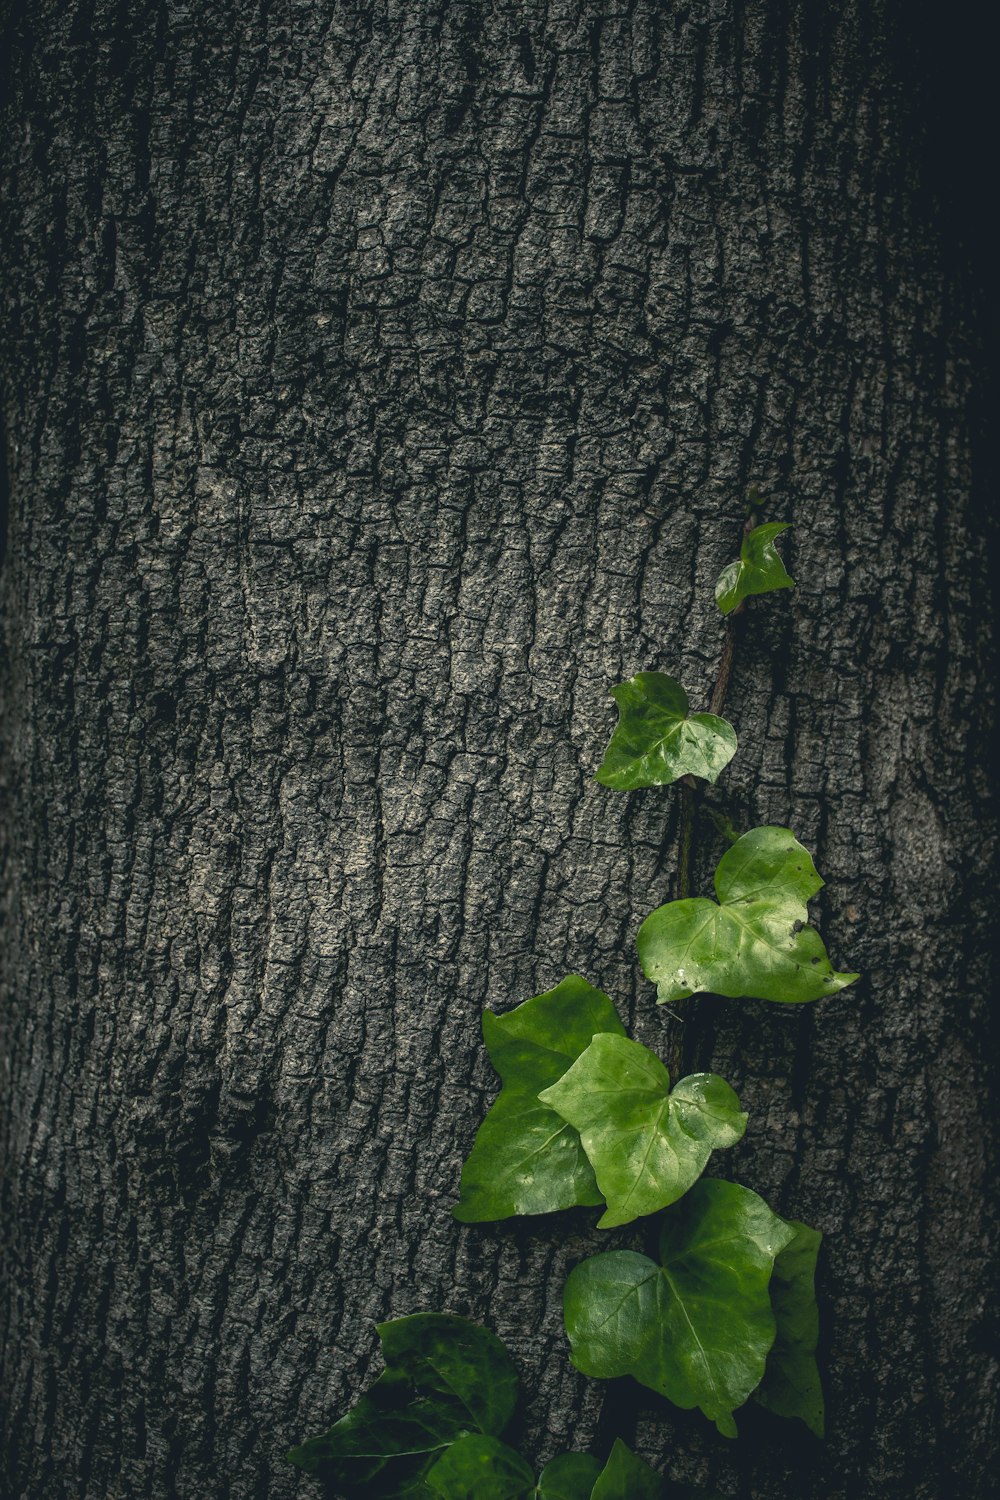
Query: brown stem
(726,662)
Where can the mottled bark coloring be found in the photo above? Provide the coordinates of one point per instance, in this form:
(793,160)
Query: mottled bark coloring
(382,383)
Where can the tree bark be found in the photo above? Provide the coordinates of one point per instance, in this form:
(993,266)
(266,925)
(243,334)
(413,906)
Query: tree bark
(383,382)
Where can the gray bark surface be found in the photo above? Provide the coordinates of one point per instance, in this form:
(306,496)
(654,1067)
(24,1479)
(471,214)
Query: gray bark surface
(382,383)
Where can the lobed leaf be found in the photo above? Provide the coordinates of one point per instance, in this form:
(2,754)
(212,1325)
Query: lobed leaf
(698,1326)
(759,571)
(791,1386)
(444,1378)
(481,1468)
(646,1145)
(656,740)
(755,941)
(526,1159)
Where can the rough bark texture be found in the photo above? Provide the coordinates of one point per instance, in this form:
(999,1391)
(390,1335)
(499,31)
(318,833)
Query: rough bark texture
(382,382)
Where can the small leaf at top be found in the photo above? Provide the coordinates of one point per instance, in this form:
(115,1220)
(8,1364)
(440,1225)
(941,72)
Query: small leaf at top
(569,1476)
(645,1144)
(756,941)
(526,1159)
(697,1328)
(656,740)
(444,1377)
(626,1477)
(481,1468)
(791,1386)
(759,570)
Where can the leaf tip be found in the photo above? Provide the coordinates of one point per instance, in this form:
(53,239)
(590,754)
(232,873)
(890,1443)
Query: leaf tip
(299,1458)
(725,1424)
(610,1220)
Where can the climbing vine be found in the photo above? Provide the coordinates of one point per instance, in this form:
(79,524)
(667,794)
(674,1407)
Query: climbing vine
(722,1306)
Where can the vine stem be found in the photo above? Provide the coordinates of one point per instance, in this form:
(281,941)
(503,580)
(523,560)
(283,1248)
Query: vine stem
(619,1412)
(718,699)
(689,788)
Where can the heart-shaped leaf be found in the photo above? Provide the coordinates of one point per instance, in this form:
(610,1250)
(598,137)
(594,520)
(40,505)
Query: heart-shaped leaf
(755,942)
(791,1386)
(759,570)
(444,1378)
(526,1159)
(698,1326)
(481,1468)
(656,740)
(570,1476)
(626,1477)
(645,1144)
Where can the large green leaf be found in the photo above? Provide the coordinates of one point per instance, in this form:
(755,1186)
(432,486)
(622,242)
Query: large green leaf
(756,941)
(444,1378)
(656,740)
(626,1477)
(526,1159)
(791,1386)
(759,570)
(645,1144)
(569,1476)
(697,1328)
(481,1468)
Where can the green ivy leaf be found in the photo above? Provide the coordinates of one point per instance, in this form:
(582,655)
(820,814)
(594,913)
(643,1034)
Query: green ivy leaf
(697,1328)
(385,1444)
(444,1377)
(656,740)
(570,1476)
(645,1144)
(457,1360)
(481,1468)
(526,1159)
(755,942)
(791,1386)
(626,1477)
(759,570)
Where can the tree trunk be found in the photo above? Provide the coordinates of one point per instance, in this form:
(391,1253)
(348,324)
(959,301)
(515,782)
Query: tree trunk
(383,383)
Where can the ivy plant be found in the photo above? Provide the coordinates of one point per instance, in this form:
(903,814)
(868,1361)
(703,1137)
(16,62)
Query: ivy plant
(722,1306)
(444,1379)
(758,571)
(791,1386)
(697,1323)
(657,741)
(526,1158)
(755,941)
(646,1143)
(725,1306)
(430,1427)
(604,1127)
